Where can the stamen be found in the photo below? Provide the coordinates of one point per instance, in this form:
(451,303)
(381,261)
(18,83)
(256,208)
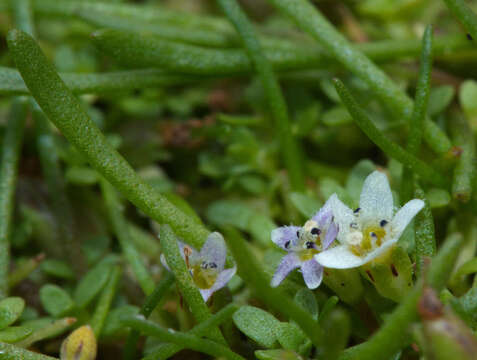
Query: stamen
(309,245)
(315,231)
(357,210)
(383,223)
(287,244)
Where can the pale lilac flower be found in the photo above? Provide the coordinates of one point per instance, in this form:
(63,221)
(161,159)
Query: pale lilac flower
(302,243)
(207,265)
(372,229)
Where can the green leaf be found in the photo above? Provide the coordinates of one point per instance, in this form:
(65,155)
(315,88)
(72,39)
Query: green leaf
(467,96)
(113,325)
(290,336)
(91,284)
(81,175)
(10,310)
(14,333)
(305,204)
(438,197)
(337,116)
(55,300)
(440,98)
(57,268)
(306,299)
(258,325)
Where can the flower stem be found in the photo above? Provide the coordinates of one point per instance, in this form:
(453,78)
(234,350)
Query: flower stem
(276,101)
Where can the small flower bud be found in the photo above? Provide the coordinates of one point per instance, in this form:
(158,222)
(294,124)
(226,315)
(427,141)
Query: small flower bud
(79,345)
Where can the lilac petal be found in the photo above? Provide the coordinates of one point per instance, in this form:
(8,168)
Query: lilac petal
(284,235)
(222,279)
(331,234)
(214,250)
(312,273)
(288,263)
(324,215)
(376,201)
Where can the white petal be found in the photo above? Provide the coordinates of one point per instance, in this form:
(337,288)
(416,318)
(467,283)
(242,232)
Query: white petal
(380,250)
(214,250)
(285,234)
(223,278)
(330,236)
(288,263)
(339,257)
(206,293)
(343,216)
(312,273)
(376,201)
(404,216)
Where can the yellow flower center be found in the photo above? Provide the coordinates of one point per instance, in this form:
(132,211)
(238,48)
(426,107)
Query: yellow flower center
(372,237)
(204,278)
(307,254)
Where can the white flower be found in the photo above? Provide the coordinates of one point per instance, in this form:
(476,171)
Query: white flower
(370,230)
(302,243)
(207,265)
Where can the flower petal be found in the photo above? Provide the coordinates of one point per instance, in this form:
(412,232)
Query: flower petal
(288,263)
(376,201)
(343,216)
(164,262)
(312,273)
(281,235)
(331,234)
(214,250)
(380,250)
(206,293)
(223,278)
(404,216)
(324,215)
(339,257)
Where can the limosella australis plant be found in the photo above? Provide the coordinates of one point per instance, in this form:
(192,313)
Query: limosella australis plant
(178,181)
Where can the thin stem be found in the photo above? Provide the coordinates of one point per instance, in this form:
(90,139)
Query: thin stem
(121,230)
(189,341)
(22,271)
(12,144)
(104,302)
(276,101)
(165,351)
(251,272)
(308,18)
(419,113)
(55,328)
(464,14)
(393,334)
(23,15)
(390,148)
(147,308)
(64,110)
(186,285)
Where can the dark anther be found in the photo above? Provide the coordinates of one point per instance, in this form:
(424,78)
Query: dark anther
(373,234)
(204,265)
(298,233)
(469,36)
(316,231)
(309,245)
(353,225)
(394,270)
(213,265)
(357,210)
(287,244)
(383,223)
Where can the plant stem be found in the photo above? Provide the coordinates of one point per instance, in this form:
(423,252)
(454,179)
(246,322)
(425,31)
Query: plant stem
(12,144)
(165,351)
(121,230)
(64,110)
(14,352)
(419,113)
(424,232)
(104,302)
(147,308)
(308,18)
(390,148)
(23,15)
(53,329)
(180,339)
(184,281)
(276,102)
